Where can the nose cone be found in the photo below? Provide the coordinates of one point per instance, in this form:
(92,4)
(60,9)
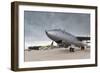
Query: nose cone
(46,32)
(52,35)
(49,33)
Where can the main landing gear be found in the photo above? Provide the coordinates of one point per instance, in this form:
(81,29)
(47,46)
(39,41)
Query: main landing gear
(82,48)
(72,49)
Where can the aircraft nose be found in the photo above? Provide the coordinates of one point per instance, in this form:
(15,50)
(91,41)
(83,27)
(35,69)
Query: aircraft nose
(46,32)
(52,35)
(49,33)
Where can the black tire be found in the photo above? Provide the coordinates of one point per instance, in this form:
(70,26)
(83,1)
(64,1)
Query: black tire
(72,49)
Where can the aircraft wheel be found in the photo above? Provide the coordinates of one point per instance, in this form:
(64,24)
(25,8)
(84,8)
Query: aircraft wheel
(82,48)
(72,49)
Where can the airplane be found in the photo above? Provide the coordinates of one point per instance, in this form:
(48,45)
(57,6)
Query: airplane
(65,39)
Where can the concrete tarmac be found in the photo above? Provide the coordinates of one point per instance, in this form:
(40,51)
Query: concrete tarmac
(56,54)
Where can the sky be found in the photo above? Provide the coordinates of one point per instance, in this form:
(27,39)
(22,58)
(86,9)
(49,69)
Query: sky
(36,22)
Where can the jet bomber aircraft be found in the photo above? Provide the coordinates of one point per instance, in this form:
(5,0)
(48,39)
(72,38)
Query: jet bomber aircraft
(65,39)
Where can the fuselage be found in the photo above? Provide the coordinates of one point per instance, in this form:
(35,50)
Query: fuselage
(61,35)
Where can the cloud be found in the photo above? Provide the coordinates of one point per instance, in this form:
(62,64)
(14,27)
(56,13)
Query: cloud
(37,22)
